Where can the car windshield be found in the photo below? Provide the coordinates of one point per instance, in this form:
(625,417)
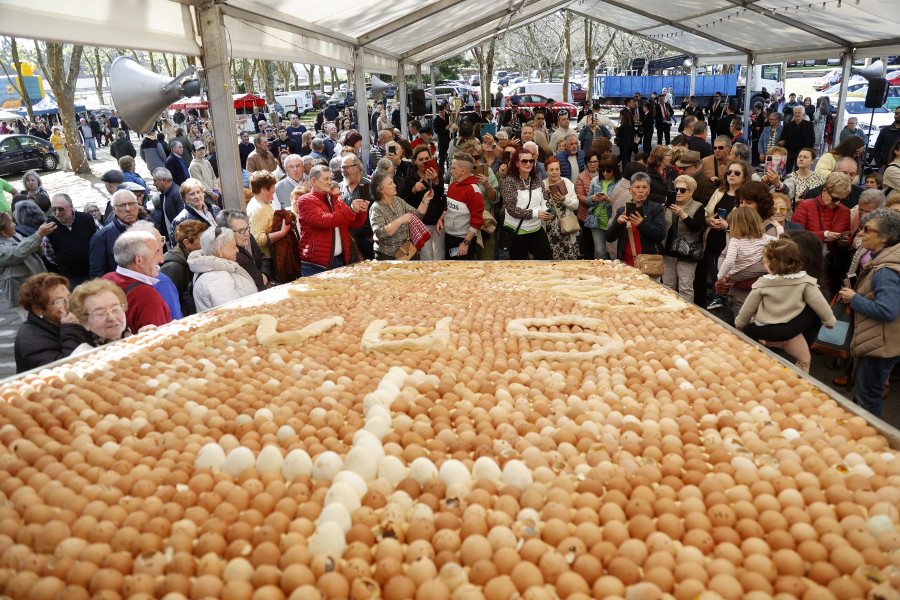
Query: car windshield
(857,108)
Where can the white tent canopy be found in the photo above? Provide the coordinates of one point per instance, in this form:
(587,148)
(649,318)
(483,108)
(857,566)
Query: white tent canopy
(418,32)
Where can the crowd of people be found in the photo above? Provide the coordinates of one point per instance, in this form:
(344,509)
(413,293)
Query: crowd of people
(767,246)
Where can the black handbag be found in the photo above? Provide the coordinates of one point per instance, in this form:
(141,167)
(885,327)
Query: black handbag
(507,234)
(684,247)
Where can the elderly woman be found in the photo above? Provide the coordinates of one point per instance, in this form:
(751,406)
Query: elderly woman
(33,184)
(175,264)
(869,200)
(195,205)
(18,258)
(100,306)
(262,212)
(94,210)
(218,277)
(684,219)
(421,180)
(875,301)
(50,331)
(249,255)
(563,245)
(29,217)
(647,223)
(390,217)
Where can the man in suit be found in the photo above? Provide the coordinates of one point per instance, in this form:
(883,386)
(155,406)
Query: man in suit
(715,110)
(796,135)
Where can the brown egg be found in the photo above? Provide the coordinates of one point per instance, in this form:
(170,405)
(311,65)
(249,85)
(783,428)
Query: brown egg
(398,587)
(525,575)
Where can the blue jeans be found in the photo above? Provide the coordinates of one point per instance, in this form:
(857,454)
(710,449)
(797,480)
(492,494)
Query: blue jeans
(599,236)
(308,268)
(868,381)
(90,143)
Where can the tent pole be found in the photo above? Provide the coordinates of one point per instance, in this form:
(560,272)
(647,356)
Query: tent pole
(846,67)
(359,82)
(433,94)
(401,89)
(221,104)
(693,78)
(419,76)
(748,86)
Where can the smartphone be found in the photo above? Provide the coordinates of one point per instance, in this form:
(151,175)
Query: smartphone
(431,164)
(723,214)
(777,164)
(850,282)
(482,169)
(671,194)
(490,128)
(365,191)
(630,208)
(454,252)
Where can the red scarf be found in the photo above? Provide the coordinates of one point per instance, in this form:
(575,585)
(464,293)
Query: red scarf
(627,257)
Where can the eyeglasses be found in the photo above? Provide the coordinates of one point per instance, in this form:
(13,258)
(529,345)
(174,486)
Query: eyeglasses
(102,313)
(781,211)
(607,170)
(734,172)
(681,190)
(242,230)
(126,205)
(869,228)
(836,199)
(720,147)
(61,302)
(346,167)
(526,161)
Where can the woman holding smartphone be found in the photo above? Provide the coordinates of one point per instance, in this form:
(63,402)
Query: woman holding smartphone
(599,207)
(422,179)
(720,205)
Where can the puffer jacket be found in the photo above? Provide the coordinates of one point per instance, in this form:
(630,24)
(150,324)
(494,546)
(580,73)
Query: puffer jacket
(218,280)
(18,262)
(876,337)
(317,216)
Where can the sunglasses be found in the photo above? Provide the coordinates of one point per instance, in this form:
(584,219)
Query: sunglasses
(526,161)
(681,190)
(781,211)
(720,147)
(734,172)
(606,170)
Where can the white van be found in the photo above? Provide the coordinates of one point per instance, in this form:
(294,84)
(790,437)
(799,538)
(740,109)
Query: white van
(550,90)
(298,101)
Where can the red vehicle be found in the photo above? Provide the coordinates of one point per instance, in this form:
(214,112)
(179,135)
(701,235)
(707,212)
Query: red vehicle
(579,94)
(531,101)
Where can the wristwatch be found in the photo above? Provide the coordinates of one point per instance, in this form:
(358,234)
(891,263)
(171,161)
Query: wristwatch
(467,242)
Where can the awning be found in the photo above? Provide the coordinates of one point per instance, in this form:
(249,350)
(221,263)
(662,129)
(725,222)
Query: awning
(241,101)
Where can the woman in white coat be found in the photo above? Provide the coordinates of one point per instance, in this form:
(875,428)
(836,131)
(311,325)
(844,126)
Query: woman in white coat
(564,245)
(218,278)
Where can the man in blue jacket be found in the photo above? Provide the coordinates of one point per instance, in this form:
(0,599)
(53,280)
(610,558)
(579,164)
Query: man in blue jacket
(571,159)
(125,213)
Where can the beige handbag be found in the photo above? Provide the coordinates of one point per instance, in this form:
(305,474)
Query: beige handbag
(568,220)
(489,224)
(650,265)
(406,250)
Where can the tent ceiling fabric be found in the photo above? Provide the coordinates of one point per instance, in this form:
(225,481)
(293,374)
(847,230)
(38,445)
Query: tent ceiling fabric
(425,31)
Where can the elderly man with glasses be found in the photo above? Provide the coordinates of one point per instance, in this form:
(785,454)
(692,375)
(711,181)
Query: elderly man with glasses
(354,186)
(714,165)
(138,256)
(125,214)
(68,246)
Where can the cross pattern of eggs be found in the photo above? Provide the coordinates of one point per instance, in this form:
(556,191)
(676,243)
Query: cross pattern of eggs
(442,431)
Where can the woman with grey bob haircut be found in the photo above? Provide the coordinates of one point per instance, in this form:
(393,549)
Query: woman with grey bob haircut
(875,301)
(218,276)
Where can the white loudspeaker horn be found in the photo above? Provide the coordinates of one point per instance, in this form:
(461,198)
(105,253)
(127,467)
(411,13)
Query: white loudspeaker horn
(140,94)
(378,87)
(688,63)
(873,71)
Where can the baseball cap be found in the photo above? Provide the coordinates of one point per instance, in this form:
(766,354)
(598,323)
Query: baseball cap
(198,144)
(689,158)
(113,176)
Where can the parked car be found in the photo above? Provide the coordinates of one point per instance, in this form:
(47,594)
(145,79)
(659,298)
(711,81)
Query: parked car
(579,94)
(25,152)
(475,80)
(827,80)
(342,99)
(833,62)
(531,101)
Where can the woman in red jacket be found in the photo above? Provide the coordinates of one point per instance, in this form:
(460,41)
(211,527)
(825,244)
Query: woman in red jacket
(325,222)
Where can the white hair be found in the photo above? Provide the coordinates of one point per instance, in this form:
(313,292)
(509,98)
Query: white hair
(130,245)
(214,239)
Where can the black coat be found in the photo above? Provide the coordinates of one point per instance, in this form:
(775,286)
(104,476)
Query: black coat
(256,264)
(658,187)
(797,137)
(175,266)
(652,230)
(39,342)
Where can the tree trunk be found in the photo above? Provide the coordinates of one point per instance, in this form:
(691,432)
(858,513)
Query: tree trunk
(234,77)
(97,73)
(311,75)
(22,89)
(567,36)
(268,75)
(152,61)
(322,77)
(62,79)
(247,75)
(334,79)
(296,77)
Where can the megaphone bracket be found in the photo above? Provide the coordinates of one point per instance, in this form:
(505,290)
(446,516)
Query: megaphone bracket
(191,87)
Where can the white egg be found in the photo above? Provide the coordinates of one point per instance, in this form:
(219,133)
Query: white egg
(378,427)
(879,524)
(454,471)
(516,473)
(269,460)
(327,465)
(422,469)
(343,493)
(284,432)
(378,412)
(392,469)
(485,468)
(243,419)
(328,539)
(297,462)
(362,462)
(422,511)
(265,413)
(353,480)
(239,460)
(390,387)
(336,513)
(211,456)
